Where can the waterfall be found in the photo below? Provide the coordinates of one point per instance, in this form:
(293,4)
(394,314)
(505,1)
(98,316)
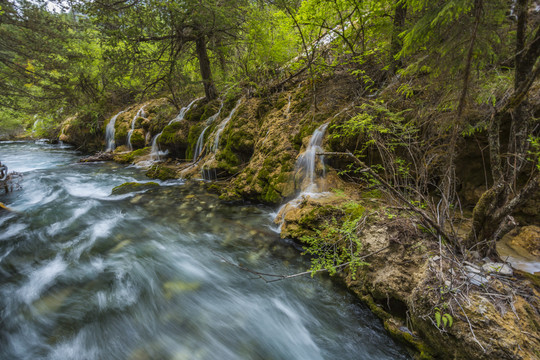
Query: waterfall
(306,165)
(222,125)
(155,153)
(109,133)
(35,123)
(306,162)
(288,111)
(140,113)
(183,111)
(199,145)
(200,140)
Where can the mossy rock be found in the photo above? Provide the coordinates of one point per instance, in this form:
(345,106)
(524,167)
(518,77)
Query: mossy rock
(174,139)
(132,186)
(161,172)
(128,158)
(137,139)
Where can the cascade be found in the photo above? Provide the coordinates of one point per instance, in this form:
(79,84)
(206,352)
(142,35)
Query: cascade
(288,111)
(222,125)
(210,173)
(139,114)
(35,124)
(200,140)
(306,165)
(306,162)
(155,153)
(109,133)
(199,145)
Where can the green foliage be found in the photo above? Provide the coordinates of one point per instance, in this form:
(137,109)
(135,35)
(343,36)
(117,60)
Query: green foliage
(443,318)
(336,241)
(534,150)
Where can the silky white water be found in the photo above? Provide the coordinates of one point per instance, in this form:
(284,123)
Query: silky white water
(86,274)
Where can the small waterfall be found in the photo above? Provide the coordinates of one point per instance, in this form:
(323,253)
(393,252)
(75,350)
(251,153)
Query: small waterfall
(213,118)
(222,125)
(200,140)
(306,162)
(34,127)
(109,133)
(199,145)
(306,166)
(139,114)
(288,111)
(183,111)
(155,153)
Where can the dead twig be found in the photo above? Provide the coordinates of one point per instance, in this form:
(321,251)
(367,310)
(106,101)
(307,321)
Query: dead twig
(279,277)
(398,195)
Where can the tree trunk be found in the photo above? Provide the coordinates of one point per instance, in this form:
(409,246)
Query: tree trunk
(206,72)
(400,14)
(492,212)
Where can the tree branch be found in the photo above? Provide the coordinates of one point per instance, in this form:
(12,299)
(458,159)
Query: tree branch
(433,224)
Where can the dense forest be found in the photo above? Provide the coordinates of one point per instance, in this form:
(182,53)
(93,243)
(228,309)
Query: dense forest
(425,81)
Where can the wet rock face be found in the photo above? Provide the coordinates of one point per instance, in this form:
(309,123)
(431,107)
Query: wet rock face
(528,238)
(400,285)
(521,248)
(174,139)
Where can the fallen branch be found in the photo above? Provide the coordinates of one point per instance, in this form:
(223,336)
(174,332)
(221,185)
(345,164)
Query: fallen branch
(278,277)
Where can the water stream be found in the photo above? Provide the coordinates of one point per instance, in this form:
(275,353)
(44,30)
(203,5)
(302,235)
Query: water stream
(307,181)
(86,274)
(155,152)
(139,114)
(110,131)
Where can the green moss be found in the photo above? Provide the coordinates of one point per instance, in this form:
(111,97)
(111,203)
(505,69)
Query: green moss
(306,130)
(228,160)
(132,186)
(423,352)
(120,136)
(161,173)
(193,136)
(353,209)
(137,139)
(271,196)
(215,188)
(131,156)
(169,134)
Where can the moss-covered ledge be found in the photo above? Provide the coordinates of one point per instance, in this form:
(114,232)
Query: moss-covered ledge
(400,285)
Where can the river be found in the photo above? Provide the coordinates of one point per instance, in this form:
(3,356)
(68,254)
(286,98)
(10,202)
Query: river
(85,274)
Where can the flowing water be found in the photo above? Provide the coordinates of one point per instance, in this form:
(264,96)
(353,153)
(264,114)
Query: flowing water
(139,114)
(110,131)
(86,274)
(307,181)
(224,123)
(155,153)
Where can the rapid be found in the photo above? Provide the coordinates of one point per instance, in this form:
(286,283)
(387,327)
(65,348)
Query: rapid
(88,273)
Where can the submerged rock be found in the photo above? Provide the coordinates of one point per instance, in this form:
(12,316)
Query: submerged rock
(133,186)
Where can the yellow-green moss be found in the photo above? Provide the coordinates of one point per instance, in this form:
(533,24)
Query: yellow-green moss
(128,158)
(169,134)
(132,186)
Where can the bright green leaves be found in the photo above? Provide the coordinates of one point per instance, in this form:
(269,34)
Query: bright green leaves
(336,242)
(444,319)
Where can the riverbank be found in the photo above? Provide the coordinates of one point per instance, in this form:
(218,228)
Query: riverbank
(441,302)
